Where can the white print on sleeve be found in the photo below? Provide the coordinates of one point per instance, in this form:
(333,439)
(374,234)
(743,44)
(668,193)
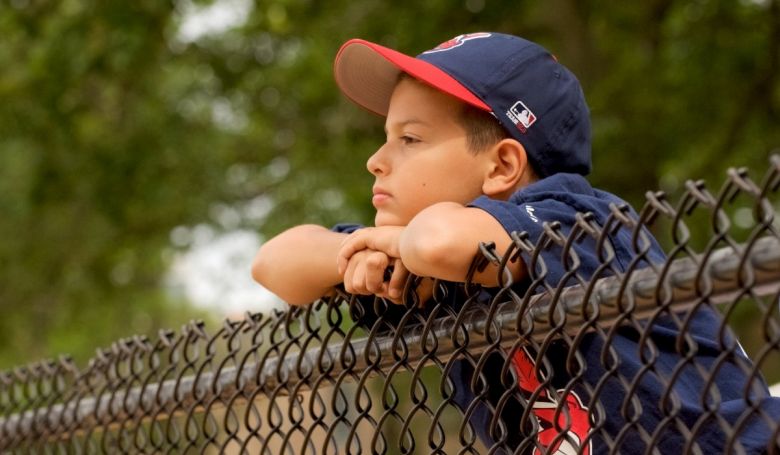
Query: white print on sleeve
(530,211)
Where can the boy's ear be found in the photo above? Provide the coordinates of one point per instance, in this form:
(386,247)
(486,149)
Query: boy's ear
(508,169)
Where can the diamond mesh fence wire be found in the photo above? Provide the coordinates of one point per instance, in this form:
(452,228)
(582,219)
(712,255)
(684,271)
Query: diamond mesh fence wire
(610,356)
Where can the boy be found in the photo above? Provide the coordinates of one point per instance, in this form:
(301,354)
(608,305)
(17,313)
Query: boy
(487,134)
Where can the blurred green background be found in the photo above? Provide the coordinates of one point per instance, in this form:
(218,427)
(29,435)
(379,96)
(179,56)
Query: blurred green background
(128,129)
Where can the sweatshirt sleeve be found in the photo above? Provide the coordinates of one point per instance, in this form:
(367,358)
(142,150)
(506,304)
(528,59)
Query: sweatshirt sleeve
(547,222)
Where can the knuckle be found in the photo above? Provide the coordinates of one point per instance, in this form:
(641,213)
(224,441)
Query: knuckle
(374,261)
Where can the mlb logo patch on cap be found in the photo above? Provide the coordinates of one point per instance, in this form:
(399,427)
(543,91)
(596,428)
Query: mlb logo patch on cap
(521,116)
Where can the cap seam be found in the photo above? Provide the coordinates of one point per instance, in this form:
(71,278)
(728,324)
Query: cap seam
(506,66)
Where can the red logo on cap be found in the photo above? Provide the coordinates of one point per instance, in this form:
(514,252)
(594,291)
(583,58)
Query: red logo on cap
(457,41)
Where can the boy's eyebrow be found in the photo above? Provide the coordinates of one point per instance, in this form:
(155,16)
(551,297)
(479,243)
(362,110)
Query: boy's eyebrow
(413,120)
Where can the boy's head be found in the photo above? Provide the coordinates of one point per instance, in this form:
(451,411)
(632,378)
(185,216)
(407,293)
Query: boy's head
(535,99)
(427,159)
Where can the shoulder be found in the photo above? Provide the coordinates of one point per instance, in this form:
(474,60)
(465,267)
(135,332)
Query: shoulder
(555,198)
(570,190)
(553,204)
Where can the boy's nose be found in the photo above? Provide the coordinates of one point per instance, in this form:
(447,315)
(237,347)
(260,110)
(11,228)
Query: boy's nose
(377,163)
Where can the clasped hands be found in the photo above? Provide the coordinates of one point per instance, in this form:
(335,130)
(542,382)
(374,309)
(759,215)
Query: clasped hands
(364,258)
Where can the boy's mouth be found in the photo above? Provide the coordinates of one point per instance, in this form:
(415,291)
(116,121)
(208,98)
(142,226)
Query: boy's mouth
(380,196)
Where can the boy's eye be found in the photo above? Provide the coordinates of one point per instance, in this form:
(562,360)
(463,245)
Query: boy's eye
(407,140)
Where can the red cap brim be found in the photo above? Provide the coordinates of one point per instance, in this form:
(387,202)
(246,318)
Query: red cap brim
(367,73)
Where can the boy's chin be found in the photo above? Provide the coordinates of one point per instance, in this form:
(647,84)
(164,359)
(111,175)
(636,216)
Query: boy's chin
(388,219)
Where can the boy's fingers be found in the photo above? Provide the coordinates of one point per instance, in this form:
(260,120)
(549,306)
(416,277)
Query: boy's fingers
(375,265)
(357,234)
(351,245)
(384,239)
(364,273)
(397,280)
(349,274)
(359,280)
(355,277)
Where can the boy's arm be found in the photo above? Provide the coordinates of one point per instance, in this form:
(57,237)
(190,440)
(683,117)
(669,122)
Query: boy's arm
(299,265)
(441,242)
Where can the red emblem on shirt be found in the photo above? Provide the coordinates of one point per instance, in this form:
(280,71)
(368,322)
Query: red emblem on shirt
(564,437)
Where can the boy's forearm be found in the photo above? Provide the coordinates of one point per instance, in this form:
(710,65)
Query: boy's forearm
(299,265)
(443,239)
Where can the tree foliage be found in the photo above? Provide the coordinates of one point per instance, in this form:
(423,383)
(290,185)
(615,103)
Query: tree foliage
(114,130)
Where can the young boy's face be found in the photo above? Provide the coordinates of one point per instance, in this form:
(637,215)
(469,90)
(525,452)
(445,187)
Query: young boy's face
(425,159)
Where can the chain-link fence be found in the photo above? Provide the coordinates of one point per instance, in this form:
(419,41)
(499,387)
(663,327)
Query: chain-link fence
(624,357)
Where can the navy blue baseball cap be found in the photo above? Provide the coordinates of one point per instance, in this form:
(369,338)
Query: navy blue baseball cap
(535,98)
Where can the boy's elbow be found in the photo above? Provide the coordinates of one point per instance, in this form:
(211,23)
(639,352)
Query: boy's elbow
(259,268)
(425,248)
(277,267)
(273,253)
(423,259)
(263,273)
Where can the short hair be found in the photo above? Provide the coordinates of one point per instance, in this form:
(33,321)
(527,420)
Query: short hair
(482,128)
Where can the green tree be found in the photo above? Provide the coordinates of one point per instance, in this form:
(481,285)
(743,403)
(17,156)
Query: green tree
(114,130)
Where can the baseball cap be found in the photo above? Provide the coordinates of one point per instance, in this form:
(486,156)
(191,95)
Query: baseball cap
(535,98)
